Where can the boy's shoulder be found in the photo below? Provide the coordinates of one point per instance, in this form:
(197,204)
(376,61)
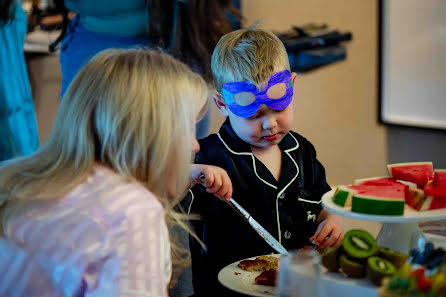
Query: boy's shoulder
(301,140)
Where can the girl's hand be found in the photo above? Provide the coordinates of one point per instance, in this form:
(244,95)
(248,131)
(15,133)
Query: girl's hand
(331,227)
(216,180)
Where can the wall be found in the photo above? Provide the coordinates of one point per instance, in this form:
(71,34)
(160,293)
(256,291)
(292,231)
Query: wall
(335,106)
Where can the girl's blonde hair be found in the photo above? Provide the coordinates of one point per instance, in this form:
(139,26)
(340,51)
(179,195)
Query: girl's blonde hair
(131,110)
(250,54)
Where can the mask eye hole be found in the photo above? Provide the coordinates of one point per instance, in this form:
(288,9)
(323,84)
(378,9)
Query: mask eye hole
(277,91)
(244,98)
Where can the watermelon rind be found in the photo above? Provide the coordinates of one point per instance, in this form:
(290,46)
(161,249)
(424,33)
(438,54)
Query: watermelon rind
(377,205)
(343,196)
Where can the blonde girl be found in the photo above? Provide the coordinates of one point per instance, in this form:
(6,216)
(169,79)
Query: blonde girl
(85,215)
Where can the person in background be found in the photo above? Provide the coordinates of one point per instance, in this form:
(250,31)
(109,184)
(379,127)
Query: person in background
(88,213)
(18,126)
(275,174)
(188,30)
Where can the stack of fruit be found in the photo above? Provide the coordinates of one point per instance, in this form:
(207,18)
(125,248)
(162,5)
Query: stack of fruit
(359,256)
(423,276)
(414,184)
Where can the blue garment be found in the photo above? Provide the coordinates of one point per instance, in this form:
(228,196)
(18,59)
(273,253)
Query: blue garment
(118,18)
(18,127)
(80,45)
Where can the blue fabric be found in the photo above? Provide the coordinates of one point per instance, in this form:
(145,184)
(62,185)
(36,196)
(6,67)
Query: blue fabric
(18,127)
(113,17)
(81,44)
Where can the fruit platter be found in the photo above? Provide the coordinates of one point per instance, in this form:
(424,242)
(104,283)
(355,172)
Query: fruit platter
(412,192)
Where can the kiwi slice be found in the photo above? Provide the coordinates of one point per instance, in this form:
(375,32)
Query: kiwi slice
(359,244)
(330,258)
(352,268)
(396,258)
(379,268)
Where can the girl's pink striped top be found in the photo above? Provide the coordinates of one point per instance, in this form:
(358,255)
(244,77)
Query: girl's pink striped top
(106,237)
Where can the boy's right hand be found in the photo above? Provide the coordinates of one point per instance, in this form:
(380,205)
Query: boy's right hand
(216,180)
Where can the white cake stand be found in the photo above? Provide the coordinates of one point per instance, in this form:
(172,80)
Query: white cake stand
(396,231)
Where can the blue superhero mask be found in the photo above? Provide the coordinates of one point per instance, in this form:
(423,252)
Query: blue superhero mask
(243,99)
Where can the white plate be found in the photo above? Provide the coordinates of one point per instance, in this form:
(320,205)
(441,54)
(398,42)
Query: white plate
(410,215)
(241,281)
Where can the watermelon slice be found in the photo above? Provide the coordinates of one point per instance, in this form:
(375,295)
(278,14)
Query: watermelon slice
(343,196)
(440,177)
(376,181)
(418,172)
(435,191)
(435,203)
(380,199)
(379,196)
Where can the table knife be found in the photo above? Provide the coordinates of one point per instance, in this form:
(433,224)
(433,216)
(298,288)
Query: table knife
(254,224)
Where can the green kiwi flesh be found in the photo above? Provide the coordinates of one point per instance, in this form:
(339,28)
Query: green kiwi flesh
(359,244)
(379,268)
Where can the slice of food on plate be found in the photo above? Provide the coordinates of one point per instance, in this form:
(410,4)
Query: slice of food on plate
(267,278)
(432,196)
(416,172)
(262,263)
(378,196)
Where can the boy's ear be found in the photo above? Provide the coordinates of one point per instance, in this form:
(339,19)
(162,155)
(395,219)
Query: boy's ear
(293,77)
(221,104)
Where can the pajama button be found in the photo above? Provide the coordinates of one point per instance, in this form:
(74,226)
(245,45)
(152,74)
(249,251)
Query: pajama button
(287,235)
(281,196)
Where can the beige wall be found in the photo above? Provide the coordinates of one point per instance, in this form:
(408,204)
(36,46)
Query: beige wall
(335,106)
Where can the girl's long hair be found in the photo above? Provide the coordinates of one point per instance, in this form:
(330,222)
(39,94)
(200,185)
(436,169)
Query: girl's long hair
(131,110)
(190,29)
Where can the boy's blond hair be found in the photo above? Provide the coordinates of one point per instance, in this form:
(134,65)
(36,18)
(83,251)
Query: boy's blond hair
(248,55)
(131,110)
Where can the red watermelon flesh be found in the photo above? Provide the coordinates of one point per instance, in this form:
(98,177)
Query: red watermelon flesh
(380,181)
(419,172)
(395,190)
(440,178)
(437,202)
(384,199)
(435,191)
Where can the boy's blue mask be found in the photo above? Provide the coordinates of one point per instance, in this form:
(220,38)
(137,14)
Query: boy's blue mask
(250,103)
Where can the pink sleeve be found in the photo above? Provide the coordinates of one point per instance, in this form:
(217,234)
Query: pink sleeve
(144,252)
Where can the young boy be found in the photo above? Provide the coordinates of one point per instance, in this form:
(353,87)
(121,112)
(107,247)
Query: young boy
(274,171)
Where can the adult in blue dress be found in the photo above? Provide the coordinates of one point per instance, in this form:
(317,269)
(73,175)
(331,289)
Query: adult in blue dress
(189,30)
(18,127)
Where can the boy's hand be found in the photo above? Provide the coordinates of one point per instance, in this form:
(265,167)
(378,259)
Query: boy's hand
(330,227)
(216,180)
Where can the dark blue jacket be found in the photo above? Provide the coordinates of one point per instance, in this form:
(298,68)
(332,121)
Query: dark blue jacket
(287,208)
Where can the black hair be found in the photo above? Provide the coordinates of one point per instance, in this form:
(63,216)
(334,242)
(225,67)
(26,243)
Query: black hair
(6,11)
(190,29)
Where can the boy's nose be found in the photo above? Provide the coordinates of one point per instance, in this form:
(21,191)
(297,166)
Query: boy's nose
(269,122)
